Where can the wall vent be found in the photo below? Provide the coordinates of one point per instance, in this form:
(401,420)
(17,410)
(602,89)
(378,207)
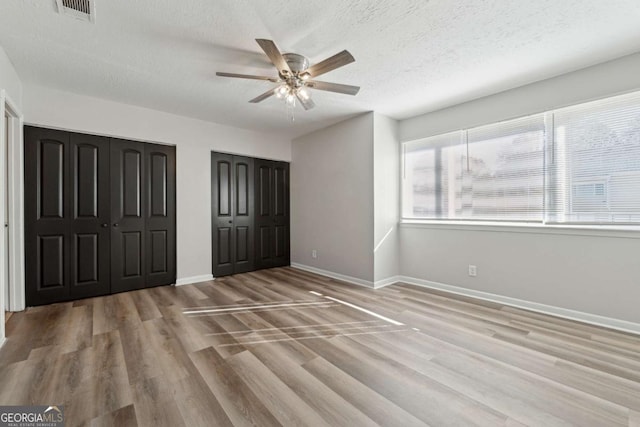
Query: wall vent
(83,10)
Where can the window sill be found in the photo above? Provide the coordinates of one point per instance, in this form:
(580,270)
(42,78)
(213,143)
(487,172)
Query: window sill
(625,232)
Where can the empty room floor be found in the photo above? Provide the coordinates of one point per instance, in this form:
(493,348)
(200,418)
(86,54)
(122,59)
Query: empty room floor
(287,347)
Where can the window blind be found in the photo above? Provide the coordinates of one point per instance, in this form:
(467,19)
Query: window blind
(594,163)
(506,171)
(489,173)
(428,163)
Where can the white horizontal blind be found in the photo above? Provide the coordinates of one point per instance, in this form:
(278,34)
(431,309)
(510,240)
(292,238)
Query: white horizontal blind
(489,173)
(506,171)
(428,163)
(594,164)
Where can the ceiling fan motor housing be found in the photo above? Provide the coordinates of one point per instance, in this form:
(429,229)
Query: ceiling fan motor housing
(297,63)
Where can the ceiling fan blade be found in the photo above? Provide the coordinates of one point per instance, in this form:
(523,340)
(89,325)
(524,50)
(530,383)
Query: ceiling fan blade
(333,87)
(307,103)
(329,64)
(264,96)
(246,76)
(274,55)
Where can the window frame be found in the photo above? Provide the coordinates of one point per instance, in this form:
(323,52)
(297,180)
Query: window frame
(620,229)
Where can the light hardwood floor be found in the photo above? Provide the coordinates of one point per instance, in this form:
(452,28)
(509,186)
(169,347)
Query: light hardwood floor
(261,349)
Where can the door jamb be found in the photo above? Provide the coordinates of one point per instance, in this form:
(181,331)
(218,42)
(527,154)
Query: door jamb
(16,205)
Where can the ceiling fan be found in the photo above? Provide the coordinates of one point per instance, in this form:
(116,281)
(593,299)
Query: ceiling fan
(295,76)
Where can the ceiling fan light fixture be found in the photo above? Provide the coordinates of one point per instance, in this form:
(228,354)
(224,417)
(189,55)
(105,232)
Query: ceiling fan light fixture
(282,91)
(303,92)
(290,99)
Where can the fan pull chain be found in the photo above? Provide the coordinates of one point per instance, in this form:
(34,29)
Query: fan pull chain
(291,107)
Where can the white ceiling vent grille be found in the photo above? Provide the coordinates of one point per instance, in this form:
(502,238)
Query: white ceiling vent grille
(79,9)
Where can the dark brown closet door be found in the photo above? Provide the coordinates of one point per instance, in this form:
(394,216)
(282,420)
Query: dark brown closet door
(243,219)
(89,220)
(127,215)
(272,214)
(232,209)
(66,204)
(160,172)
(46,207)
(222,242)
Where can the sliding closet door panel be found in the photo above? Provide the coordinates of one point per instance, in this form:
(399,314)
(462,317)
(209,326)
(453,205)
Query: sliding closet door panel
(272,220)
(222,214)
(100,215)
(46,211)
(127,215)
(51,163)
(281,248)
(89,236)
(264,243)
(243,206)
(264,188)
(66,208)
(281,190)
(264,220)
(232,211)
(281,241)
(159,258)
(51,262)
(161,214)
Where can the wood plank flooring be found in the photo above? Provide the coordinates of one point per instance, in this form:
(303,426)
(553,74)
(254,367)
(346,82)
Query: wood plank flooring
(287,347)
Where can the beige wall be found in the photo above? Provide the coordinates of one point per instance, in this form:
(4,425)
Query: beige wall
(194,140)
(596,273)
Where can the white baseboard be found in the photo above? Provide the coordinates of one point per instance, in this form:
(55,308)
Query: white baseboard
(194,279)
(565,313)
(386,282)
(331,274)
(592,319)
(349,279)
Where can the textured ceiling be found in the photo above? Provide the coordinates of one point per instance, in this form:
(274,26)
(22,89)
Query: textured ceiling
(412,56)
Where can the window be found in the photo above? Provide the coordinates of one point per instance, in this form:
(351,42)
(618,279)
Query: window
(576,165)
(594,164)
(490,173)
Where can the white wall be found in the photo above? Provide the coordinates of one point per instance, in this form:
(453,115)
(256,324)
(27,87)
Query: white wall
(344,200)
(596,275)
(332,198)
(592,273)
(386,181)
(194,140)
(9,79)
(606,79)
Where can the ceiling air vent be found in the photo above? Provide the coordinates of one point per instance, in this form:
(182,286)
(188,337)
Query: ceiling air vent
(79,9)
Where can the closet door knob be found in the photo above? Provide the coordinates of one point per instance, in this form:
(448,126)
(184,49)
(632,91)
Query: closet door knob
(115,225)
(104,225)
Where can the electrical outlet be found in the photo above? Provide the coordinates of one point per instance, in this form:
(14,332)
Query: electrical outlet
(473,270)
(314,253)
